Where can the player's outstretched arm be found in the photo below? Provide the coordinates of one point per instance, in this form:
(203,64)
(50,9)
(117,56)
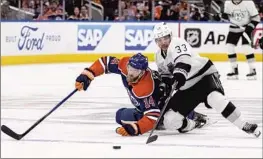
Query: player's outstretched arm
(105,64)
(144,125)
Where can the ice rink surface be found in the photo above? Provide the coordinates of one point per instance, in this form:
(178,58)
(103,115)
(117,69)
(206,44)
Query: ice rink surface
(84,126)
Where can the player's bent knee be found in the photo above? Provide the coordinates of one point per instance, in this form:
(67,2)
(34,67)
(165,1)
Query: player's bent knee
(118,116)
(173,120)
(217,101)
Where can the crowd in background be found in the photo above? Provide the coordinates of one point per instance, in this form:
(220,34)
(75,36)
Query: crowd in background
(130,10)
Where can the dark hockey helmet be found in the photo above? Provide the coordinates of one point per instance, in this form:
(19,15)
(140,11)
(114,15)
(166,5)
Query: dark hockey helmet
(236,2)
(139,61)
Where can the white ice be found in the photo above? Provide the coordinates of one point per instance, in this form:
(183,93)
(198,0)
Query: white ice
(84,126)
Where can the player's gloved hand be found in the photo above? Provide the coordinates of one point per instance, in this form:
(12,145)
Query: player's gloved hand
(249,29)
(164,90)
(84,79)
(261,43)
(180,79)
(128,130)
(216,17)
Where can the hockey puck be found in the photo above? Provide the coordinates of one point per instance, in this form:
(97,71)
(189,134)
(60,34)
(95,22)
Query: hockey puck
(116,147)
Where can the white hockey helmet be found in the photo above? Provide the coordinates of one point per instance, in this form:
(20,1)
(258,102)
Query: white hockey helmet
(161,30)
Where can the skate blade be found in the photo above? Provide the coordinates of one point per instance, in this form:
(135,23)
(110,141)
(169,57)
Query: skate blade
(235,77)
(251,77)
(208,123)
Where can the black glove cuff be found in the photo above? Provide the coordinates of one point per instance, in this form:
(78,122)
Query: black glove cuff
(90,71)
(180,78)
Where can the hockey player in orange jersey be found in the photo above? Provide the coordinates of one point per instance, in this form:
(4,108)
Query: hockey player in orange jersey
(142,85)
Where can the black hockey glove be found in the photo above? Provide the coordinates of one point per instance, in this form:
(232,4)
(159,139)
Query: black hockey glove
(224,17)
(164,91)
(180,79)
(249,30)
(250,27)
(216,17)
(261,43)
(84,79)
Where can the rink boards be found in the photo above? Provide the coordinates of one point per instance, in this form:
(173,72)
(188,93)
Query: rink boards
(61,41)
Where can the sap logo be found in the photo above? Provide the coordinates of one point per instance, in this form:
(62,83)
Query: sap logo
(89,36)
(138,37)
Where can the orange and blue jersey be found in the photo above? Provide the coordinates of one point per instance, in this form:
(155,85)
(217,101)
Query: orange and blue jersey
(143,94)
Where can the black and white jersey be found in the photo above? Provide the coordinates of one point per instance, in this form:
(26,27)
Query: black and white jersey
(180,58)
(240,14)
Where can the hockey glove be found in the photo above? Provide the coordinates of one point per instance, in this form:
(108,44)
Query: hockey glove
(180,79)
(164,90)
(216,17)
(248,30)
(128,130)
(84,79)
(261,43)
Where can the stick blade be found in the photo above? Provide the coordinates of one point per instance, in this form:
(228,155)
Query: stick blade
(10,132)
(152,139)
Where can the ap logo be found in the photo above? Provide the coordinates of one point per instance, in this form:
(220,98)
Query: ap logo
(138,37)
(89,36)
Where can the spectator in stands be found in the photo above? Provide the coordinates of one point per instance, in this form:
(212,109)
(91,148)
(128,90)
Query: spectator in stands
(183,14)
(204,16)
(51,11)
(29,6)
(130,11)
(165,12)
(146,12)
(174,13)
(109,8)
(195,14)
(76,15)
(157,10)
(84,13)
(55,11)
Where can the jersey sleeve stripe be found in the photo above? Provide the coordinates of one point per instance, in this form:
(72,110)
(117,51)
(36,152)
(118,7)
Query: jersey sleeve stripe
(153,118)
(153,114)
(181,55)
(102,64)
(107,63)
(152,110)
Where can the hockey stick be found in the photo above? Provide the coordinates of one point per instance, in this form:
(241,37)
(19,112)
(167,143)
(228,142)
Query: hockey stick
(16,136)
(155,137)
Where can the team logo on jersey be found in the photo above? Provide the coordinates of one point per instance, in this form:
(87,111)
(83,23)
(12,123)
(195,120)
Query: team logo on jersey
(138,37)
(133,100)
(89,36)
(238,15)
(193,36)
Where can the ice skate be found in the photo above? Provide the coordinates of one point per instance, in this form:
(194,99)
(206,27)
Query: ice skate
(233,74)
(252,129)
(252,75)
